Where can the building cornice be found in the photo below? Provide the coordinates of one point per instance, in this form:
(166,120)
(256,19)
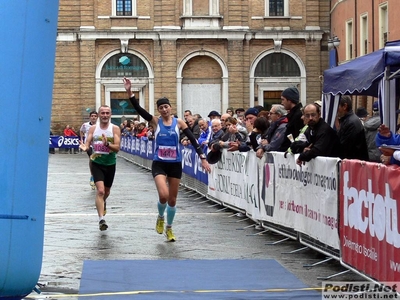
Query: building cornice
(168,35)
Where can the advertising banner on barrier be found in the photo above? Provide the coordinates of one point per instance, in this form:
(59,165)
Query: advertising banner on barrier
(56,141)
(369,226)
(253,173)
(191,163)
(266,183)
(233,180)
(306,197)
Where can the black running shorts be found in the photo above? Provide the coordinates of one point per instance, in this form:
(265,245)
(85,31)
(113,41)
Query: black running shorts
(172,169)
(103,173)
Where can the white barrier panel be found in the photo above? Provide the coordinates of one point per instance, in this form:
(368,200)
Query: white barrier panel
(306,198)
(234,181)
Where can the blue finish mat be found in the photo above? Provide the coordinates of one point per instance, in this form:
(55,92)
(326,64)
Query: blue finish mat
(191,279)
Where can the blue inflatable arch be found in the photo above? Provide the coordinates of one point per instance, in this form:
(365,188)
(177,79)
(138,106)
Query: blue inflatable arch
(29,30)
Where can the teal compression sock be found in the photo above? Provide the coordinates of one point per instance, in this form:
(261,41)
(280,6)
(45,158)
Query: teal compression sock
(161,208)
(170,214)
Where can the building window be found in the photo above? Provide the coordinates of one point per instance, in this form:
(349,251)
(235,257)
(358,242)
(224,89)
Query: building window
(383,25)
(201,7)
(276,8)
(364,35)
(349,40)
(124,64)
(277,65)
(124,8)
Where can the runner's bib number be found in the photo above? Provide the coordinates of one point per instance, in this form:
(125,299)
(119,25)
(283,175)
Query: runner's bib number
(167,152)
(100,148)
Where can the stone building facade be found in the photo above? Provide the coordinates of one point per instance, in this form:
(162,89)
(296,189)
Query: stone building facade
(201,54)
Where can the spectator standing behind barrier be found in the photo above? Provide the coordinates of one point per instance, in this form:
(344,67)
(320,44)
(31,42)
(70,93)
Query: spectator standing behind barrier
(322,139)
(260,130)
(127,128)
(353,144)
(371,130)
(205,133)
(230,111)
(223,119)
(105,140)
(167,161)
(150,132)
(214,115)
(141,130)
(69,131)
(290,99)
(84,130)
(276,132)
(214,155)
(301,137)
(193,126)
(386,137)
(250,116)
(187,113)
(233,133)
(362,114)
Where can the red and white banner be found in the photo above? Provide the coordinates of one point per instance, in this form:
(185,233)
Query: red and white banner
(370,239)
(303,198)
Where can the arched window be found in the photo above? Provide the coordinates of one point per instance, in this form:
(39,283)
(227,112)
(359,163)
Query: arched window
(277,65)
(124,64)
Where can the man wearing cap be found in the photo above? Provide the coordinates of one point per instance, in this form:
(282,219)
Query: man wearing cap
(362,114)
(290,99)
(214,115)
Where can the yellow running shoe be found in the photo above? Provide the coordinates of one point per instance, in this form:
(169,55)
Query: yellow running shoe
(170,235)
(160,225)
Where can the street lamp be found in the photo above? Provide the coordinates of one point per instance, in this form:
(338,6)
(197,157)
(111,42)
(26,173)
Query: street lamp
(333,43)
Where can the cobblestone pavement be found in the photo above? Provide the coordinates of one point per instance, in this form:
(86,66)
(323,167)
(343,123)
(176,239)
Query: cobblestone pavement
(203,230)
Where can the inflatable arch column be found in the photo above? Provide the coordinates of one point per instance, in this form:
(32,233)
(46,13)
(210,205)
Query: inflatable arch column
(27,54)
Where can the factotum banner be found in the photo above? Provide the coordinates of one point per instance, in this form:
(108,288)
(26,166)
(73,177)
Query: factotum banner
(369,229)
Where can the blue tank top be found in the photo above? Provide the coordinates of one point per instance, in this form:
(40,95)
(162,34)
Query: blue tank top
(167,142)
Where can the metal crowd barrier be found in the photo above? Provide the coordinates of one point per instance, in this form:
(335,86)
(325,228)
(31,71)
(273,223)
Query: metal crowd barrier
(311,204)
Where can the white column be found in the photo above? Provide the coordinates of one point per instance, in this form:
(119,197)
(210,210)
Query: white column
(98,93)
(251,100)
(151,95)
(225,94)
(179,112)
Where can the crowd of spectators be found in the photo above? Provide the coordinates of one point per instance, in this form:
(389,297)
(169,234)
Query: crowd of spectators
(287,127)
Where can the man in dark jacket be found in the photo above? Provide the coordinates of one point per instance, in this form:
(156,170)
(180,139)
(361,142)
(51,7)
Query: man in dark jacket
(353,144)
(322,139)
(291,101)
